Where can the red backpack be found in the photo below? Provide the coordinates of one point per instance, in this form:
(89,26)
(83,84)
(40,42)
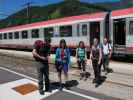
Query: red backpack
(38,43)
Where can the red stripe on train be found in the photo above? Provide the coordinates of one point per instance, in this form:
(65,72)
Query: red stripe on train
(53,21)
(121,12)
(130,48)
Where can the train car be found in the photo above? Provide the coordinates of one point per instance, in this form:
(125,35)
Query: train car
(117,26)
(121,27)
(73,29)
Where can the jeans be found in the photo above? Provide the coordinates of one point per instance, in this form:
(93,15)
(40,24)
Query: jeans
(105,62)
(81,65)
(97,69)
(43,74)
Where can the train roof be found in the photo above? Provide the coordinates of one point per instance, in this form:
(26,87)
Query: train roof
(122,13)
(60,21)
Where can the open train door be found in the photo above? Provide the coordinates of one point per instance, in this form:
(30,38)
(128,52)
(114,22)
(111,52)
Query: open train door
(121,31)
(94,31)
(118,33)
(119,36)
(97,27)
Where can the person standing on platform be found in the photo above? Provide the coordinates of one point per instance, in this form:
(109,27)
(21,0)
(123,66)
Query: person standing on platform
(81,59)
(107,52)
(62,60)
(41,52)
(96,56)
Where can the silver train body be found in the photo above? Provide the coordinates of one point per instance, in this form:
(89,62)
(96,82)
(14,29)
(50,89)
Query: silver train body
(116,25)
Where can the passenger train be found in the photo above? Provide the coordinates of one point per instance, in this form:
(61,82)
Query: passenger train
(117,25)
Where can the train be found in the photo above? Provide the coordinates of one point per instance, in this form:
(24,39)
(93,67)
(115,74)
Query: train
(116,25)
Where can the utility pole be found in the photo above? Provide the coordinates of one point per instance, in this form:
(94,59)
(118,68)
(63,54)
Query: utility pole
(28,5)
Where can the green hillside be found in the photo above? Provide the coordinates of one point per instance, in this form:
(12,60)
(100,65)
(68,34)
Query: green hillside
(52,11)
(116,5)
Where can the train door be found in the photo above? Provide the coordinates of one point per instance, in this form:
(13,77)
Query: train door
(94,31)
(119,35)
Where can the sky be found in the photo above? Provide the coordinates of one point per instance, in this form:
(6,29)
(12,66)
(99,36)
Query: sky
(8,7)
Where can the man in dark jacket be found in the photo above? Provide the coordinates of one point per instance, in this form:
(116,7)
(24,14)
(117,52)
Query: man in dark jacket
(41,53)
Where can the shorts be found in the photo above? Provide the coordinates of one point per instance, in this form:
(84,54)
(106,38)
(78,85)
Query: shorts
(81,65)
(61,66)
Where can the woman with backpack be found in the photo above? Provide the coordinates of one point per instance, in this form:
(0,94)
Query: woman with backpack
(81,59)
(62,61)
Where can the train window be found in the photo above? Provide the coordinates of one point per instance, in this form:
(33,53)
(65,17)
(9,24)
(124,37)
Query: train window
(84,29)
(5,35)
(10,36)
(35,33)
(0,36)
(66,31)
(24,34)
(131,28)
(56,32)
(48,32)
(16,35)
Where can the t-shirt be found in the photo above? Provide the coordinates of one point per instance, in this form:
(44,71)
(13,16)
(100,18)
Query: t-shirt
(62,53)
(65,54)
(42,49)
(106,48)
(95,52)
(81,53)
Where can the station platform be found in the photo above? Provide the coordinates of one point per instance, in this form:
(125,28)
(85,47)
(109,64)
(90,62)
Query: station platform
(118,85)
(118,67)
(14,86)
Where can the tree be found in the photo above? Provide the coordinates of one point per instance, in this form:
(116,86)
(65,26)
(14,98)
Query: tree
(55,14)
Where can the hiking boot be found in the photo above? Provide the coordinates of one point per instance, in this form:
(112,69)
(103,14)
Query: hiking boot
(41,92)
(61,87)
(82,76)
